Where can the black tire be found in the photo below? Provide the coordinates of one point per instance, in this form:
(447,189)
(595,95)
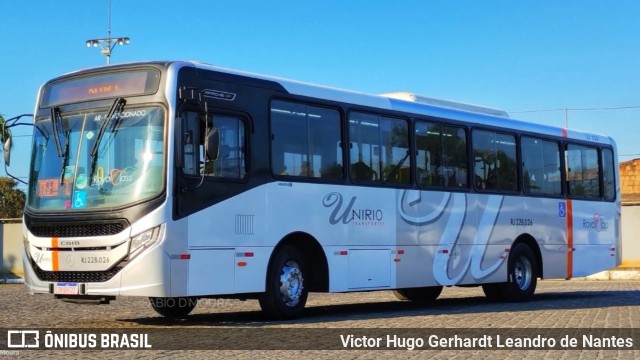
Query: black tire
(493,292)
(285,295)
(522,277)
(523,274)
(420,295)
(173,307)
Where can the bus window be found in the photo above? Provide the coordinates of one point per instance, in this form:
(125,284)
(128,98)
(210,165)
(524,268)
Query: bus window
(379,149)
(442,155)
(541,167)
(495,161)
(191,133)
(583,174)
(230,163)
(304,141)
(608,172)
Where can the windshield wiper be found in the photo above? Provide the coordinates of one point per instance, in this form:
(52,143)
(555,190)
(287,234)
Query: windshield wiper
(116,110)
(56,121)
(56,118)
(65,156)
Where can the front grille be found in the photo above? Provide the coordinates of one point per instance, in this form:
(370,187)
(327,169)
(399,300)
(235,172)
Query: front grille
(75,276)
(78,229)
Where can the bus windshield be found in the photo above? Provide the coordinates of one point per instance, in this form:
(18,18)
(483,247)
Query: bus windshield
(127,167)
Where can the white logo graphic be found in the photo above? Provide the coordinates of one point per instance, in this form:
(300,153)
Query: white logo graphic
(23,339)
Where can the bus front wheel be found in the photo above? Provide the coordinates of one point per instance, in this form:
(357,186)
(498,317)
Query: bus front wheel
(285,295)
(174,307)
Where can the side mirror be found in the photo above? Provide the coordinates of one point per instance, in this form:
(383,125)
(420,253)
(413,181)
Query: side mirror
(7,151)
(212,142)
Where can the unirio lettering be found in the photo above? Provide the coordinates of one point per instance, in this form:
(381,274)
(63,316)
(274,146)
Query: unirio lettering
(335,200)
(349,215)
(366,214)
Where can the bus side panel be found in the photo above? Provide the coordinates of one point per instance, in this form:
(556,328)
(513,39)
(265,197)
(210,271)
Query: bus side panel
(544,220)
(466,238)
(458,241)
(176,243)
(354,225)
(363,275)
(229,245)
(444,224)
(594,237)
(211,271)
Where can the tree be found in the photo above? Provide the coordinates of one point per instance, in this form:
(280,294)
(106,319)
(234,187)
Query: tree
(12,199)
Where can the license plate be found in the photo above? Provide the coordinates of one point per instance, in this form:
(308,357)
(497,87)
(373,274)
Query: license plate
(66,288)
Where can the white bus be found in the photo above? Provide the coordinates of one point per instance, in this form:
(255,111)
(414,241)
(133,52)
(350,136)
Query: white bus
(178,181)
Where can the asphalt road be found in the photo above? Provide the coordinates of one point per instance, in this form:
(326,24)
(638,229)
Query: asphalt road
(561,306)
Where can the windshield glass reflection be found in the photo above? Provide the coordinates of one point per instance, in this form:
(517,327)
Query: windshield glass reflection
(128,166)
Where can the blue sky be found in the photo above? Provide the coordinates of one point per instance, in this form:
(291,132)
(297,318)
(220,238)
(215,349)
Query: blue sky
(512,55)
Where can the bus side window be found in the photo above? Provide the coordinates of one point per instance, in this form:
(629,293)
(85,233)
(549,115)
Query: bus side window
(583,173)
(190,133)
(442,155)
(495,161)
(303,141)
(541,166)
(230,162)
(379,148)
(608,173)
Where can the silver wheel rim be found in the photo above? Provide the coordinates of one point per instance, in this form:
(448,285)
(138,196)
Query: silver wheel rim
(523,273)
(291,283)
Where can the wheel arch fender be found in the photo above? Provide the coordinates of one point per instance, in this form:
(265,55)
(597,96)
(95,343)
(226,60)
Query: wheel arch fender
(531,242)
(317,274)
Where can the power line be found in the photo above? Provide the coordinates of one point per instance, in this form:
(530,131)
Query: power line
(566,115)
(566,111)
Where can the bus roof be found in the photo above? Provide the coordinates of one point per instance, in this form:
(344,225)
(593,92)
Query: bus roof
(399,101)
(409,96)
(473,114)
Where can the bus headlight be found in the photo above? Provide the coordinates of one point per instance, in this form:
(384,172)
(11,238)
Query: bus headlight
(144,240)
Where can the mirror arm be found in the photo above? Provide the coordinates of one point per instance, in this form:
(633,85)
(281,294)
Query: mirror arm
(6,125)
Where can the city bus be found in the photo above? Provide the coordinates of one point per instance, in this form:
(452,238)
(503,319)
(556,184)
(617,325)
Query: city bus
(180,181)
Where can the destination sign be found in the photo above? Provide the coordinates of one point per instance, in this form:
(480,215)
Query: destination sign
(101,86)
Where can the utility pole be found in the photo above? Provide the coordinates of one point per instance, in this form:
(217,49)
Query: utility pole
(108,44)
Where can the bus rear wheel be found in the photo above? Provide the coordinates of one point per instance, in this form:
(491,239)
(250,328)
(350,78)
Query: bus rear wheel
(173,307)
(522,277)
(286,294)
(420,295)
